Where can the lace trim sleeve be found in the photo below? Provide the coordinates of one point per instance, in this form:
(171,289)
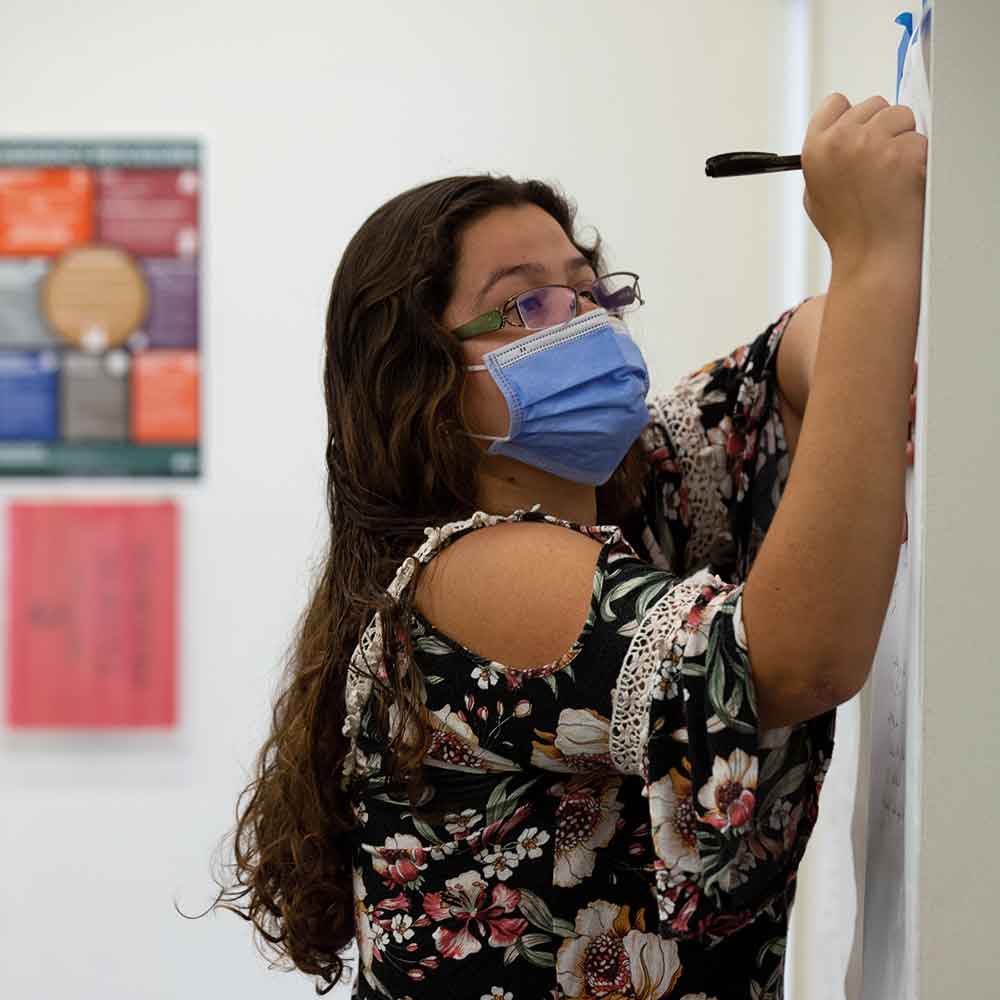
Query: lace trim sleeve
(702,465)
(660,638)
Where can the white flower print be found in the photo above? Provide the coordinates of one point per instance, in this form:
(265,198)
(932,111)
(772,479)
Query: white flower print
(780,814)
(666,682)
(497,993)
(441,851)
(485,675)
(581,743)
(529,842)
(380,937)
(402,927)
(674,822)
(497,861)
(587,816)
(461,822)
(611,957)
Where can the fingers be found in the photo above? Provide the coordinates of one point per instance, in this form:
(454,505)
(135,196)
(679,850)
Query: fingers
(866,110)
(895,120)
(833,106)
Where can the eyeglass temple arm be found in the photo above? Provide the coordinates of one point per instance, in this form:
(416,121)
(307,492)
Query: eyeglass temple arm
(487,323)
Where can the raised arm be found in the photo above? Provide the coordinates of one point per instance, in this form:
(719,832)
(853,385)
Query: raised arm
(816,597)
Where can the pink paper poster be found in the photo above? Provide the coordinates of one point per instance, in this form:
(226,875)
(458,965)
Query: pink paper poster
(92,614)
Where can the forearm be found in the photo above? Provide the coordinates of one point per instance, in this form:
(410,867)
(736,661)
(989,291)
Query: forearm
(816,597)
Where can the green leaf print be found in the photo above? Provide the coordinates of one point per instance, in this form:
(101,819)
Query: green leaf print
(502,803)
(424,829)
(790,783)
(434,646)
(539,958)
(773,763)
(617,592)
(650,595)
(538,913)
(725,708)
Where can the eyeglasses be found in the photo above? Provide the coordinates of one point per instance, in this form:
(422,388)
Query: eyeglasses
(550,305)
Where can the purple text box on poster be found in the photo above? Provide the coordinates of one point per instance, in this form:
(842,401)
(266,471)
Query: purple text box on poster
(29,396)
(173,306)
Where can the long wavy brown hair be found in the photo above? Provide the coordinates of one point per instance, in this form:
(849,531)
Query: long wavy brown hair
(396,463)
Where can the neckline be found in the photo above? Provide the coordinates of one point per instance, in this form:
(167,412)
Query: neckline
(544,669)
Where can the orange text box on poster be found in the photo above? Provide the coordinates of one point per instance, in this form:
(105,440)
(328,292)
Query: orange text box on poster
(92,614)
(165,397)
(45,211)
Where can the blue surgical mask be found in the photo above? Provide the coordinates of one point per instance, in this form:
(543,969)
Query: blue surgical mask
(576,394)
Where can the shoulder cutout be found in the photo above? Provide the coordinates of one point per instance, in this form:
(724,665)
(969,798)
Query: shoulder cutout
(517,593)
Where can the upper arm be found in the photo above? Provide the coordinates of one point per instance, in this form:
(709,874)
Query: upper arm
(516,593)
(797,353)
(795,365)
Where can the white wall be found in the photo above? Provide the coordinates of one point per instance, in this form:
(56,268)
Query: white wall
(313,114)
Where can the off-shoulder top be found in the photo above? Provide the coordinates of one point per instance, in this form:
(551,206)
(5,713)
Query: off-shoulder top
(614,824)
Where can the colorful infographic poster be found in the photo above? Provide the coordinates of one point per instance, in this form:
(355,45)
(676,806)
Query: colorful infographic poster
(99,339)
(92,614)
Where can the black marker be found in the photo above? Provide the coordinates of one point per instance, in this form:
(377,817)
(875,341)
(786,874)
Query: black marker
(740,164)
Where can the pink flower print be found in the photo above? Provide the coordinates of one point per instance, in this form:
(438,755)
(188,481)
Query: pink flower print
(663,461)
(463,908)
(729,794)
(400,861)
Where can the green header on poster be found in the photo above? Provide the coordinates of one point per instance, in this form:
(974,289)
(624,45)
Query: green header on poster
(99,153)
(98,459)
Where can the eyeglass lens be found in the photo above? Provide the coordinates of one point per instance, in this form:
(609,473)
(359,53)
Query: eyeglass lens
(554,304)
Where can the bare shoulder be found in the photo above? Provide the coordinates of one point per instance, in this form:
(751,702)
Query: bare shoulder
(518,593)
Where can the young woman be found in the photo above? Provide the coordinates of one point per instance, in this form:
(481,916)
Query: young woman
(561,706)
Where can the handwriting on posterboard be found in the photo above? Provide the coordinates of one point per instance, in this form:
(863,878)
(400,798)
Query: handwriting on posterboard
(92,616)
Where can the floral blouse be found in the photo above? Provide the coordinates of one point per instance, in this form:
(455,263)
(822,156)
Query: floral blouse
(614,824)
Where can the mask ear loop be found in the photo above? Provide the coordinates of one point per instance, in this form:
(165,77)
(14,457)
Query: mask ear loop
(481,437)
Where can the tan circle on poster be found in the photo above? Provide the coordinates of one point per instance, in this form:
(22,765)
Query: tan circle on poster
(95,297)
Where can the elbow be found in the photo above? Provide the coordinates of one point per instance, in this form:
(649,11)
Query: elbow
(840,680)
(806,695)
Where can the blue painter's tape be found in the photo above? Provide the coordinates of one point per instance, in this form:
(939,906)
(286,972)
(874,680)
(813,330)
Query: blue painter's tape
(906,20)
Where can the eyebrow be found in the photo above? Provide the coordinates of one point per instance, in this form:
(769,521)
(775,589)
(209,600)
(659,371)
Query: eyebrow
(529,268)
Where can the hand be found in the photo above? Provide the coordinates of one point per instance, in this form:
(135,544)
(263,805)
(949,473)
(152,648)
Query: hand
(865,170)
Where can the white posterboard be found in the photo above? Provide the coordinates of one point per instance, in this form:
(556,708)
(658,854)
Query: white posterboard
(887,861)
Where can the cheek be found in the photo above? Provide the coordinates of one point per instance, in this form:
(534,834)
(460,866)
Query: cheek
(483,405)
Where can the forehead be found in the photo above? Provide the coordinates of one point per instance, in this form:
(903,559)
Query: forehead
(508,236)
